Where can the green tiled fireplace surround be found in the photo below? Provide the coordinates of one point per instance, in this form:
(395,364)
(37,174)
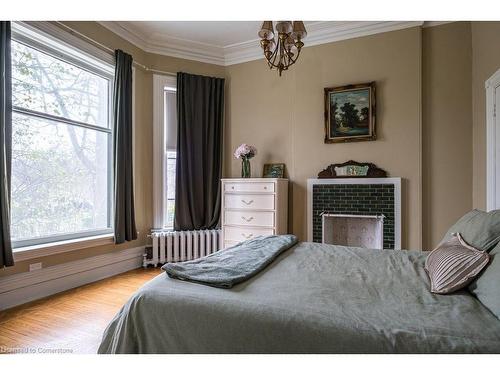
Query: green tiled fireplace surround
(361,199)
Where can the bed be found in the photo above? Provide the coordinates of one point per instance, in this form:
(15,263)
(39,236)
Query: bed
(313,298)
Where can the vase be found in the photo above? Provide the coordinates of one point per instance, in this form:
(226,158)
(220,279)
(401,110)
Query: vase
(245,168)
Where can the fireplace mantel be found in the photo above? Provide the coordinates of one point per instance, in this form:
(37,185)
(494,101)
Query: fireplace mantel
(395,181)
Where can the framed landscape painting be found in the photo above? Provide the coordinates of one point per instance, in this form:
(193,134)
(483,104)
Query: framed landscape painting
(350,113)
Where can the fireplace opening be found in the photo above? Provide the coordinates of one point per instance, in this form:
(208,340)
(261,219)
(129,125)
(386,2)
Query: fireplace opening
(353,230)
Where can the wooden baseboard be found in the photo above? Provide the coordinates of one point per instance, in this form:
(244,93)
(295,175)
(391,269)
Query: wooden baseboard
(29,286)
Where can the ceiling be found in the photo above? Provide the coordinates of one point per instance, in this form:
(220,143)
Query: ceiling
(233,42)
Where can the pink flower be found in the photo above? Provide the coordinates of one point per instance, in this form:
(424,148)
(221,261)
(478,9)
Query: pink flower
(245,151)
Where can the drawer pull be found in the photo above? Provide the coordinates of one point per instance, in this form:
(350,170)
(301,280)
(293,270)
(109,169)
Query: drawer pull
(247,220)
(247,203)
(247,236)
(232,187)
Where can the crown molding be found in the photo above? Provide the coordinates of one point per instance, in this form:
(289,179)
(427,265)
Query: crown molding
(187,49)
(435,23)
(121,30)
(318,33)
(326,32)
(167,45)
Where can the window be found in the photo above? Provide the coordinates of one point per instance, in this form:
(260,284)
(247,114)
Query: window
(169,210)
(165,144)
(170,154)
(61,142)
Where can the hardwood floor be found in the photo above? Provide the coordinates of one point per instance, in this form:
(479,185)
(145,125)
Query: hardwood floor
(71,321)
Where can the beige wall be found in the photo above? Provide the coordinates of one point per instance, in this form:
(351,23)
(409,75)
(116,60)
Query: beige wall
(143,131)
(485,62)
(446,128)
(283,117)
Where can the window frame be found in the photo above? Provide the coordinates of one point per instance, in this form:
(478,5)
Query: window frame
(57,47)
(161,83)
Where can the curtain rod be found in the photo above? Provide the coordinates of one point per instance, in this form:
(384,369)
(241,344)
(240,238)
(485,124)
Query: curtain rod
(110,50)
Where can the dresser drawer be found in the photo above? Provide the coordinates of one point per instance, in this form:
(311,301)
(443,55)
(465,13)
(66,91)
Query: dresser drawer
(243,234)
(250,187)
(250,201)
(254,218)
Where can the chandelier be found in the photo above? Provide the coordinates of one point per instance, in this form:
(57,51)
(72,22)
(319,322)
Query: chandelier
(283,51)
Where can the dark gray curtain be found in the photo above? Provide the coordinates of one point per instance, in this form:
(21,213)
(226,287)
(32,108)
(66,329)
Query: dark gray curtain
(200,117)
(125,229)
(6,258)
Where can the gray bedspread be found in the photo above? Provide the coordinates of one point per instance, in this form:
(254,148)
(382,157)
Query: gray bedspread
(224,269)
(313,298)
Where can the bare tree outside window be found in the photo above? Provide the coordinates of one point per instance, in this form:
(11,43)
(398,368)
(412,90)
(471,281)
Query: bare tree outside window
(61,143)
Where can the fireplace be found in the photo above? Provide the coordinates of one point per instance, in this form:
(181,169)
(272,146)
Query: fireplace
(367,197)
(353,230)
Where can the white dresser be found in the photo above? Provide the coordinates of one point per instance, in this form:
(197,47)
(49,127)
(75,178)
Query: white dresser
(252,207)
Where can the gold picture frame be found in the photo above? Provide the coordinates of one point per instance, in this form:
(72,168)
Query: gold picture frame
(273,170)
(350,113)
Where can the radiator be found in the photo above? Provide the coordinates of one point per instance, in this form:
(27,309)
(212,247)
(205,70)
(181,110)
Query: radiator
(179,246)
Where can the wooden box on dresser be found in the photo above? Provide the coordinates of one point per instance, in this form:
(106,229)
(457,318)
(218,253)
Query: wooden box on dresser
(252,207)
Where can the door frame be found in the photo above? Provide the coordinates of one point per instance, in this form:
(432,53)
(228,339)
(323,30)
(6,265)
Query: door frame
(492,146)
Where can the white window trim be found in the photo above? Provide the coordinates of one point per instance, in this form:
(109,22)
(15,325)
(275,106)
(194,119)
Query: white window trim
(42,250)
(160,82)
(492,142)
(97,61)
(44,31)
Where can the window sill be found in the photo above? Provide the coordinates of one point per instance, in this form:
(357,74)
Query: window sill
(36,251)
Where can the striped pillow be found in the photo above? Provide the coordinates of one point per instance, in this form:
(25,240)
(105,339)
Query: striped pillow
(453,264)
